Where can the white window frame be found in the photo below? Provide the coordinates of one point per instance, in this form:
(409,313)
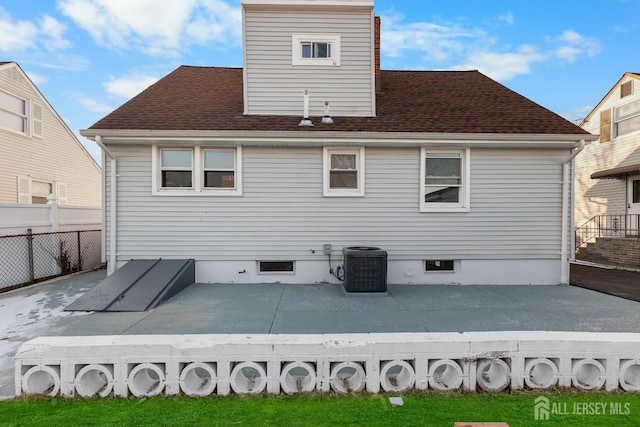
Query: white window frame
(198,188)
(297,40)
(191,169)
(326,171)
(617,118)
(24,117)
(236,170)
(52,190)
(464,200)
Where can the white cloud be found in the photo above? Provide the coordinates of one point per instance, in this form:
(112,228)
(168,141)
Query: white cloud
(16,36)
(459,46)
(435,42)
(129,86)
(53,33)
(507,18)
(504,66)
(570,46)
(156,28)
(91,104)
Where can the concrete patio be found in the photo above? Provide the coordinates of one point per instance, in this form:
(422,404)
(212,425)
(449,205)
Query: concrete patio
(310,309)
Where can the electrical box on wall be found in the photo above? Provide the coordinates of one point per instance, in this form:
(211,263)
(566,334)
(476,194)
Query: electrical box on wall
(365,269)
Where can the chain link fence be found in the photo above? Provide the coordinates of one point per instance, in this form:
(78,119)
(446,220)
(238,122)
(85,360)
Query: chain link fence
(34,257)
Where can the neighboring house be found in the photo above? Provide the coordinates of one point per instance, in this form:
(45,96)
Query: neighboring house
(39,155)
(608,170)
(458,178)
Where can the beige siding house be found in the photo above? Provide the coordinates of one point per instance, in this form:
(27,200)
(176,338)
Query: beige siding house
(608,170)
(246,170)
(39,155)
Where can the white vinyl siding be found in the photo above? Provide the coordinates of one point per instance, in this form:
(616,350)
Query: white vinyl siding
(282,214)
(54,157)
(275,86)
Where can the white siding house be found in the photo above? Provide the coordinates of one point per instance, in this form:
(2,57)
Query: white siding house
(39,155)
(458,178)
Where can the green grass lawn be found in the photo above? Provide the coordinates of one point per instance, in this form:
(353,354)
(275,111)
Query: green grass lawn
(419,409)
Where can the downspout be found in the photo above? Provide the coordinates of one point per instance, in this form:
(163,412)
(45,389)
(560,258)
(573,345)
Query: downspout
(111,264)
(566,195)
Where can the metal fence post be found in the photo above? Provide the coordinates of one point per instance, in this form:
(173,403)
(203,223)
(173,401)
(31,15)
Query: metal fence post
(30,252)
(79,253)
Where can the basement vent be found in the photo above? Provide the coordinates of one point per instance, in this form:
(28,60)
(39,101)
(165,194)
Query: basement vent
(439,265)
(274,267)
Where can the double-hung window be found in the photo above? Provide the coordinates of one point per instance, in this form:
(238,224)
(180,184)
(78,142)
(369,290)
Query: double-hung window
(627,118)
(176,168)
(197,171)
(219,168)
(343,172)
(315,49)
(13,113)
(444,176)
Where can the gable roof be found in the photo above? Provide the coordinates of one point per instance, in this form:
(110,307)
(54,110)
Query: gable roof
(211,98)
(11,64)
(604,98)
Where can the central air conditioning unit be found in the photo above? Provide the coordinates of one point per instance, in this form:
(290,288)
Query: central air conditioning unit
(365,269)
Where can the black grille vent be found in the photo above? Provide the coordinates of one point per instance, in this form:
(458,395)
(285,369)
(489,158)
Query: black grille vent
(365,269)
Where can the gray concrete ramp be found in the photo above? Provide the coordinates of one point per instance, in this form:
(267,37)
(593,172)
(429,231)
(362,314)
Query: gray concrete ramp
(139,285)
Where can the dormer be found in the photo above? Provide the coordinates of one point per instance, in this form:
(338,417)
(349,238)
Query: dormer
(325,47)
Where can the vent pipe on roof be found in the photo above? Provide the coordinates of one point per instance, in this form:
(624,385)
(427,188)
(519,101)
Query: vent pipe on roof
(326,118)
(305,118)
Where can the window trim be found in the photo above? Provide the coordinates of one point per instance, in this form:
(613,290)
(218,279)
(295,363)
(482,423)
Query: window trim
(181,169)
(464,203)
(197,168)
(296,49)
(327,191)
(203,169)
(617,118)
(26,117)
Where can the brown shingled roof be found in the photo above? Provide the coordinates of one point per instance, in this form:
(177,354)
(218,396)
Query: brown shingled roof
(211,98)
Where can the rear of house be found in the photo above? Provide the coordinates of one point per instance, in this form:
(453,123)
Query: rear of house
(265,173)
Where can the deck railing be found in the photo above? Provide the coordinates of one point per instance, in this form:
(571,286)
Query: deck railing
(608,226)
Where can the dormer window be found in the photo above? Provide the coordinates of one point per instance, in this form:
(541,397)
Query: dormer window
(315,49)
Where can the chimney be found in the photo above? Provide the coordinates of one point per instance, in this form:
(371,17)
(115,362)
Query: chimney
(376,45)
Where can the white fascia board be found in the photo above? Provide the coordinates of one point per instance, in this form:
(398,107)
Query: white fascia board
(321,3)
(328,138)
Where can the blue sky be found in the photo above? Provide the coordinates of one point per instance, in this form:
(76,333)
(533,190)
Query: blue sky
(90,56)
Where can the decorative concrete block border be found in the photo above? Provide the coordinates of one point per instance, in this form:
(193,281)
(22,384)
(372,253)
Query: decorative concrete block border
(202,365)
